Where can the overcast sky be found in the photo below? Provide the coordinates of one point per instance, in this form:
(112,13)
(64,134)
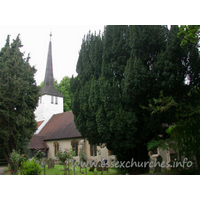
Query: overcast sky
(69,21)
(66,43)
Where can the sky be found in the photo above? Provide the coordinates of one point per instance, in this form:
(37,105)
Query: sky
(69,21)
(66,44)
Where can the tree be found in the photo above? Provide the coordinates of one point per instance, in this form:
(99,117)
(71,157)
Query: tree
(18,98)
(189,34)
(85,86)
(137,63)
(104,108)
(140,85)
(179,101)
(64,88)
(183,134)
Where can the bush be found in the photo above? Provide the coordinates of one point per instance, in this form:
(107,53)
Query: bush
(39,155)
(30,167)
(65,155)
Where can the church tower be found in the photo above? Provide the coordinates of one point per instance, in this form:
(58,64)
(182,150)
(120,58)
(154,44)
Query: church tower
(50,101)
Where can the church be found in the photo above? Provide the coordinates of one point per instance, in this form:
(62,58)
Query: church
(56,129)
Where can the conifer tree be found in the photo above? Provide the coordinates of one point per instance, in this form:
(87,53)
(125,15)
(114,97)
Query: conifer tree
(138,62)
(84,86)
(18,98)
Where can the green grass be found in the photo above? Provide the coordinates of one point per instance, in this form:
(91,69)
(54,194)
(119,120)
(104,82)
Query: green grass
(59,170)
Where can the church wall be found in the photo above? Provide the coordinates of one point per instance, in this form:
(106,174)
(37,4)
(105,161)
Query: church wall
(39,112)
(62,145)
(102,153)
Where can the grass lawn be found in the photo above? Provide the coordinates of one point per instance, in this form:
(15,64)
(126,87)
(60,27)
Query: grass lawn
(59,170)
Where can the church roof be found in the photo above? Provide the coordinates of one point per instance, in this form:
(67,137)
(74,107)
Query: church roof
(48,87)
(37,142)
(39,123)
(60,126)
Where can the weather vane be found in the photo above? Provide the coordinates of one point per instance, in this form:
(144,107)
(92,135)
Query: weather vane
(50,35)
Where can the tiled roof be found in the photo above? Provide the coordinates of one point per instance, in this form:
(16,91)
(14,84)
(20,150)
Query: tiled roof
(37,142)
(39,123)
(60,126)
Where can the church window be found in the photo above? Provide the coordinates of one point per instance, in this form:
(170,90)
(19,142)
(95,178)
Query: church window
(56,100)
(75,147)
(56,148)
(93,150)
(52,99)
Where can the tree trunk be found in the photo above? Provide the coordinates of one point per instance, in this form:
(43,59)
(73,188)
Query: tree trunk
(7,157)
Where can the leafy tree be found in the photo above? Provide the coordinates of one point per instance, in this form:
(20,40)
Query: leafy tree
(189,34)
(18,98)
(64,88)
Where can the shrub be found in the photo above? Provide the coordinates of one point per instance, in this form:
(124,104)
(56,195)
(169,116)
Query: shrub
(30,167)
(39,155)
(17,160)
(65,155)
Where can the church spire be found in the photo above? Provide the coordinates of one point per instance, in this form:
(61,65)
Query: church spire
(49,80)
(48,87)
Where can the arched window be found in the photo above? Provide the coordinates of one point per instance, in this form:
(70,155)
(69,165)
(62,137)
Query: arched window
(93,150)
(75,147)
(56,148)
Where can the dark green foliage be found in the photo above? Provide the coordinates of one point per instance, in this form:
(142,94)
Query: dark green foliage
(111,97)
(18,98)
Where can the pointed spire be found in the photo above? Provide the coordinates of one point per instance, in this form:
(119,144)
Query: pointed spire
(48,87)
(49,80)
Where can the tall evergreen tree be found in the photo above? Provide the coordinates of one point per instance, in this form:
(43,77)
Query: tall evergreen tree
(18,98)
(138,62)
(84,86)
